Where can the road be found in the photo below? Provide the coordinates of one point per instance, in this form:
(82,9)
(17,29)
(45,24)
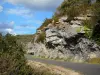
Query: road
(86,69)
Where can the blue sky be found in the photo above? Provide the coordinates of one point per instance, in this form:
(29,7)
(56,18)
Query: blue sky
(25,16)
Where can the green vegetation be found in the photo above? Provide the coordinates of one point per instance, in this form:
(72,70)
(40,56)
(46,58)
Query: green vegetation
(55,18)
(41,37)
(87,23)
(24,38)
(94,61)
(95,19)
(39,71)
(44,24)
(12,60)
(73,8)
(87,28)
(46,69)
(96,12)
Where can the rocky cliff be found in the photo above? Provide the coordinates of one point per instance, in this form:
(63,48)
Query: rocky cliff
(66,40)
(63,41)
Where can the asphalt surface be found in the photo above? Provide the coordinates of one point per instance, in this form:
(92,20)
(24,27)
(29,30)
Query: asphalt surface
(86,69)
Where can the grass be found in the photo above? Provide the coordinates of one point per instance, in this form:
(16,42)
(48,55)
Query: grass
(43,57)
(46,69)
(69,59)
(24,38)
(90,61)
(12,60)
(41,37)
(94,61)
(44,24)
(73,8)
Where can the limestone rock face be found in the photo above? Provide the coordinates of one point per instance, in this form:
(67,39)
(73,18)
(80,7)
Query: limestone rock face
(58,36)
(87,48)
(77,43)
(75,50)
(63,45)
(54,37)
(65,42)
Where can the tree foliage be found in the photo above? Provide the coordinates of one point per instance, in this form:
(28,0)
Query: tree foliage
(12,60)
(73,8)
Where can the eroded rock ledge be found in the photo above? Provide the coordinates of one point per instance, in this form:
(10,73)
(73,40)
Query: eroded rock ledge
(63,41)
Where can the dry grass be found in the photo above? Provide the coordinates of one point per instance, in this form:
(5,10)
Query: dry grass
(94,61)
(50,69)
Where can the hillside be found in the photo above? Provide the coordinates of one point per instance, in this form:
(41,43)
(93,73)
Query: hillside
(13,61)
(69,11)
(72,33)
(24,38)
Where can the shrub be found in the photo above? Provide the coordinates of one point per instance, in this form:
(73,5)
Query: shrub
(24,38)
(97,40)
(12,60)
(94,60)
(87,28)
(98,0)
(55,18)
(95,12)
(72,12)
(41,37)
(88,23)
(73,8)
(45,23)
(95,19)
(88,32)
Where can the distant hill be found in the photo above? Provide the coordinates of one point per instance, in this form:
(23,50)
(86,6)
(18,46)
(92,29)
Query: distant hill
(24,38)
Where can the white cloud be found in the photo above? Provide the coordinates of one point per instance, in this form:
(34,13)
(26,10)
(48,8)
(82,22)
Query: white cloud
(7,28)
(11,31)
(21,12)
(47,5)
(1,8)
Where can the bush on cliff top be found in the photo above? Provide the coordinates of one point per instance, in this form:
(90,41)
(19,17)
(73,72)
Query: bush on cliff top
(45,23)
(73,8)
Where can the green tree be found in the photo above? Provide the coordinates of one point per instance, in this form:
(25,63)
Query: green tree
(12,60)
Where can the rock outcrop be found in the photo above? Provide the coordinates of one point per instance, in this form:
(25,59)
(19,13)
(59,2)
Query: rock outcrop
(81,51)
(70,40)
(66,41)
